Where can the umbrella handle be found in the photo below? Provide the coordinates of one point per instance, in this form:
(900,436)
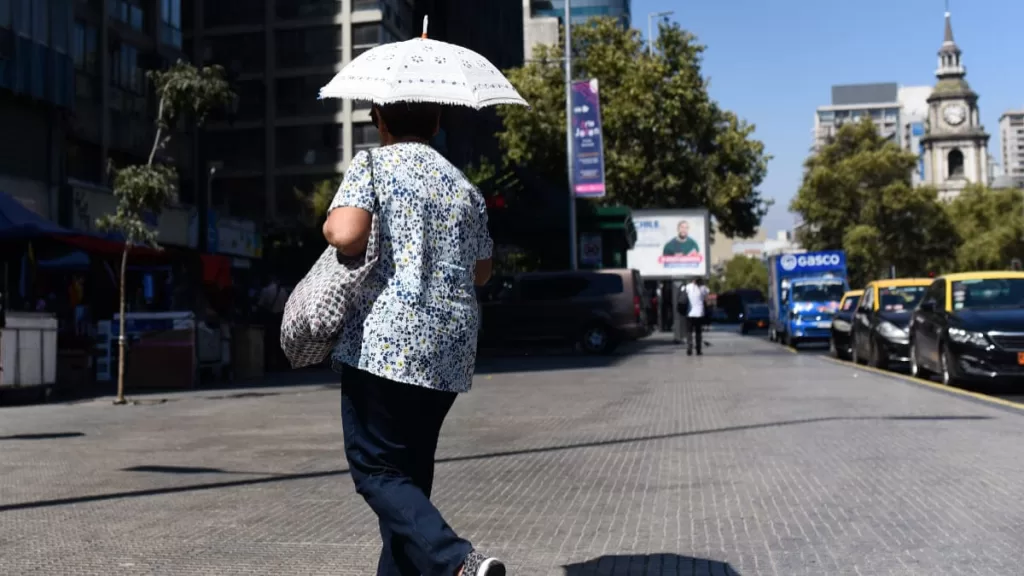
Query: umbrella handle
(426,20)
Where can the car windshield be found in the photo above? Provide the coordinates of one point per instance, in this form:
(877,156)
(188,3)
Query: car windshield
(818,292)
(900,298)
(757,308)
(850,303)
(988,293)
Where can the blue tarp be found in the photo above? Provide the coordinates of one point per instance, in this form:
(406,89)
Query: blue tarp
(18,222)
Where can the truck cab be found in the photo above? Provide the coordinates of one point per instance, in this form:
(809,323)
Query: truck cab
(805,291)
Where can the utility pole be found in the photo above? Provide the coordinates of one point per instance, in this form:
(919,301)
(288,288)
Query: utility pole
(569,136)
(650,28)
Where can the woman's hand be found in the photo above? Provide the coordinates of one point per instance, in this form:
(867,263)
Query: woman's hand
(348,230)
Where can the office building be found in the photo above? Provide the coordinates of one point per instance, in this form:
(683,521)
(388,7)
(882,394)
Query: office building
(1011,139)
(281,140)
(852,103)
(542,18)
(913,121)
(36,92)
(956,144)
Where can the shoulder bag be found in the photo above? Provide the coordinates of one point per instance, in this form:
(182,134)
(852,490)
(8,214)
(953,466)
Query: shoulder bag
(315,312)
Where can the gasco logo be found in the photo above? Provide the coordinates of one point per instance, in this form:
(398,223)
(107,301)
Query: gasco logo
(791,262)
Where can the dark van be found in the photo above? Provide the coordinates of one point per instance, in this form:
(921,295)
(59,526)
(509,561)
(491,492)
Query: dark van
(596,309)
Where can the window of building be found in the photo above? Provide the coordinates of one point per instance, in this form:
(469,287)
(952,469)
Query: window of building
(85,161)
(299,9)
(363,34)
(41,21)
(309,145)
(309,47)
(125,71)
(238,53)
(232,13)
(955,162)
(83,47)
(297,96)
(252,98)
(23,23)
(170,22)
(365,5)
(5,13)
(60,18)
(364,137)
(129,12)
(237,149)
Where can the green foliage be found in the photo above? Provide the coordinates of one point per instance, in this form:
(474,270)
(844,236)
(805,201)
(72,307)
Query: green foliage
(667,143)
(990,224)
(743,273)
(316,202)
(147,188)
(139,190)
(857,195)
(481,173)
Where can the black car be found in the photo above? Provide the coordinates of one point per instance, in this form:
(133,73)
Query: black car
(969,328)
(842,324)
(754,317)
(879,330)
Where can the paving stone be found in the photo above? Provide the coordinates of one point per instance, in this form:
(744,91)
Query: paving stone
(749,460)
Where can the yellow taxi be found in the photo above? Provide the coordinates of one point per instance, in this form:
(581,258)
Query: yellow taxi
(879,335)
(970,327)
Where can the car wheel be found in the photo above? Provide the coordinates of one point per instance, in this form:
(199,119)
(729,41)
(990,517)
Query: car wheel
(915,368)
(744,330)
(597,340)
(854,352)
(948,376)
(875,356)
(832,349)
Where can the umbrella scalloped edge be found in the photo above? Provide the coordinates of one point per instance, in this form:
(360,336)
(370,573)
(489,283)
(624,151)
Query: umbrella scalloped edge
(325,94)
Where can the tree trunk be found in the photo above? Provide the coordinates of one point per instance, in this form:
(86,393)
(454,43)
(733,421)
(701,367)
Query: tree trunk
(120,334)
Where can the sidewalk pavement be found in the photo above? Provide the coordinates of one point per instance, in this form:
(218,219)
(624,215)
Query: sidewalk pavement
(749,460)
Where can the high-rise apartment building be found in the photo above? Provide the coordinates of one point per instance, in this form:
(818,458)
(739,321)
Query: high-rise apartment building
(279,53)
(1011,136)
(852,103)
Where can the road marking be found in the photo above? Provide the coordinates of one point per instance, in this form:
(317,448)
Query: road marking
(928,383)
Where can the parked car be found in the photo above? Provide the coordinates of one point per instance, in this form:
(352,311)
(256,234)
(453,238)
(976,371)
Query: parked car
(842,324)
(970,328)
(755,317)
(879,335)
(596,309)
(732,303)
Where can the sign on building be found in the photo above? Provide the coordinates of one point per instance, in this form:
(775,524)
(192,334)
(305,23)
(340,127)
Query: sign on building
(671,243)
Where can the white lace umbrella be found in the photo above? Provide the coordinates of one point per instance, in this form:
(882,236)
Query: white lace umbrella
(423,70)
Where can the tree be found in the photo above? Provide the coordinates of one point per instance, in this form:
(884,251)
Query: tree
(743,273)
(316,202)
(145,189)
(667,143)
(990,225)
(857,195)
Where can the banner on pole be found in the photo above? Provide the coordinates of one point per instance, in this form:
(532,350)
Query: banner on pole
(588,144)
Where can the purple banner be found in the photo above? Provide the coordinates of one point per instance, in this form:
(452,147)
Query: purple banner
(588,144)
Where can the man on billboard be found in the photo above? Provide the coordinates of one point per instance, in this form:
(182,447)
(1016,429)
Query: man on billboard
(682,244)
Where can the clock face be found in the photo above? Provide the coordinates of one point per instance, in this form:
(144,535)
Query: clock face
(954,114)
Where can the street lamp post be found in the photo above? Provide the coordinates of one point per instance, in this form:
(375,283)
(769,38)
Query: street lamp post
(573,259)
(650,28)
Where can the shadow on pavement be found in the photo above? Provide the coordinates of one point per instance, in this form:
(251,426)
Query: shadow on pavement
(191,470)
(269,478)
(45,436)
(652,564)
(543,359)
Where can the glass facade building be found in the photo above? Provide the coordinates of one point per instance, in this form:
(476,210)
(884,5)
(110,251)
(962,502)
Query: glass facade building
(583,10)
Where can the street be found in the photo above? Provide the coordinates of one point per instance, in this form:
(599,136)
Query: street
(749,460)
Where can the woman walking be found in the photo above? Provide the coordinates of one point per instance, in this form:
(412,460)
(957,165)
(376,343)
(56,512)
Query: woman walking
(410,346)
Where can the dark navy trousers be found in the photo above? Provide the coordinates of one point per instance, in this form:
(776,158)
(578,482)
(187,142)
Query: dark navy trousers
(391,431)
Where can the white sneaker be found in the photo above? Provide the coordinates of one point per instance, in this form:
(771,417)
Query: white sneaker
(479,565)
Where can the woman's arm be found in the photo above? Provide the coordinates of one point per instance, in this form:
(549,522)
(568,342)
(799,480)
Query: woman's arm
(348,230)
(482,272)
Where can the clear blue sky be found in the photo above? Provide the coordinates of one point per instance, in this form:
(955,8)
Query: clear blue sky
(774,61)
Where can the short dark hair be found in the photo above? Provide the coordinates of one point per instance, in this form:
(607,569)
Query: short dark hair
(410,119)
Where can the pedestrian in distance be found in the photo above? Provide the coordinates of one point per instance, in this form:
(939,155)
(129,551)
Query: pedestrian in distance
(696,299)
(410,348)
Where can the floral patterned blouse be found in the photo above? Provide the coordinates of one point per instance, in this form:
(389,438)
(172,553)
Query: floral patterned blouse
(417,319)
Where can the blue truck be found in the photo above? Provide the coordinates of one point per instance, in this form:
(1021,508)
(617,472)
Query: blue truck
(804,291)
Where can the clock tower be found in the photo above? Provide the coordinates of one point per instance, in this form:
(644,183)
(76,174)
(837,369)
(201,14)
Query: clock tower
(955,144)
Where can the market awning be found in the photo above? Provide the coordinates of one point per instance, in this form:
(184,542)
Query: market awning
(19,223)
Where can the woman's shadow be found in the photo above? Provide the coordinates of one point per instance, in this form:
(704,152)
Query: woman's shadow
(650,565)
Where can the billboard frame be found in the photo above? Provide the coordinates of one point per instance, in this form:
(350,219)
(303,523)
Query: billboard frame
(680,213)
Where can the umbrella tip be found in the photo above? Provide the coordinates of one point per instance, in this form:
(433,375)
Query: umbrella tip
(426,20)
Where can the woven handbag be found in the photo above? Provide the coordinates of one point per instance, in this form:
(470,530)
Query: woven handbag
(314,314)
